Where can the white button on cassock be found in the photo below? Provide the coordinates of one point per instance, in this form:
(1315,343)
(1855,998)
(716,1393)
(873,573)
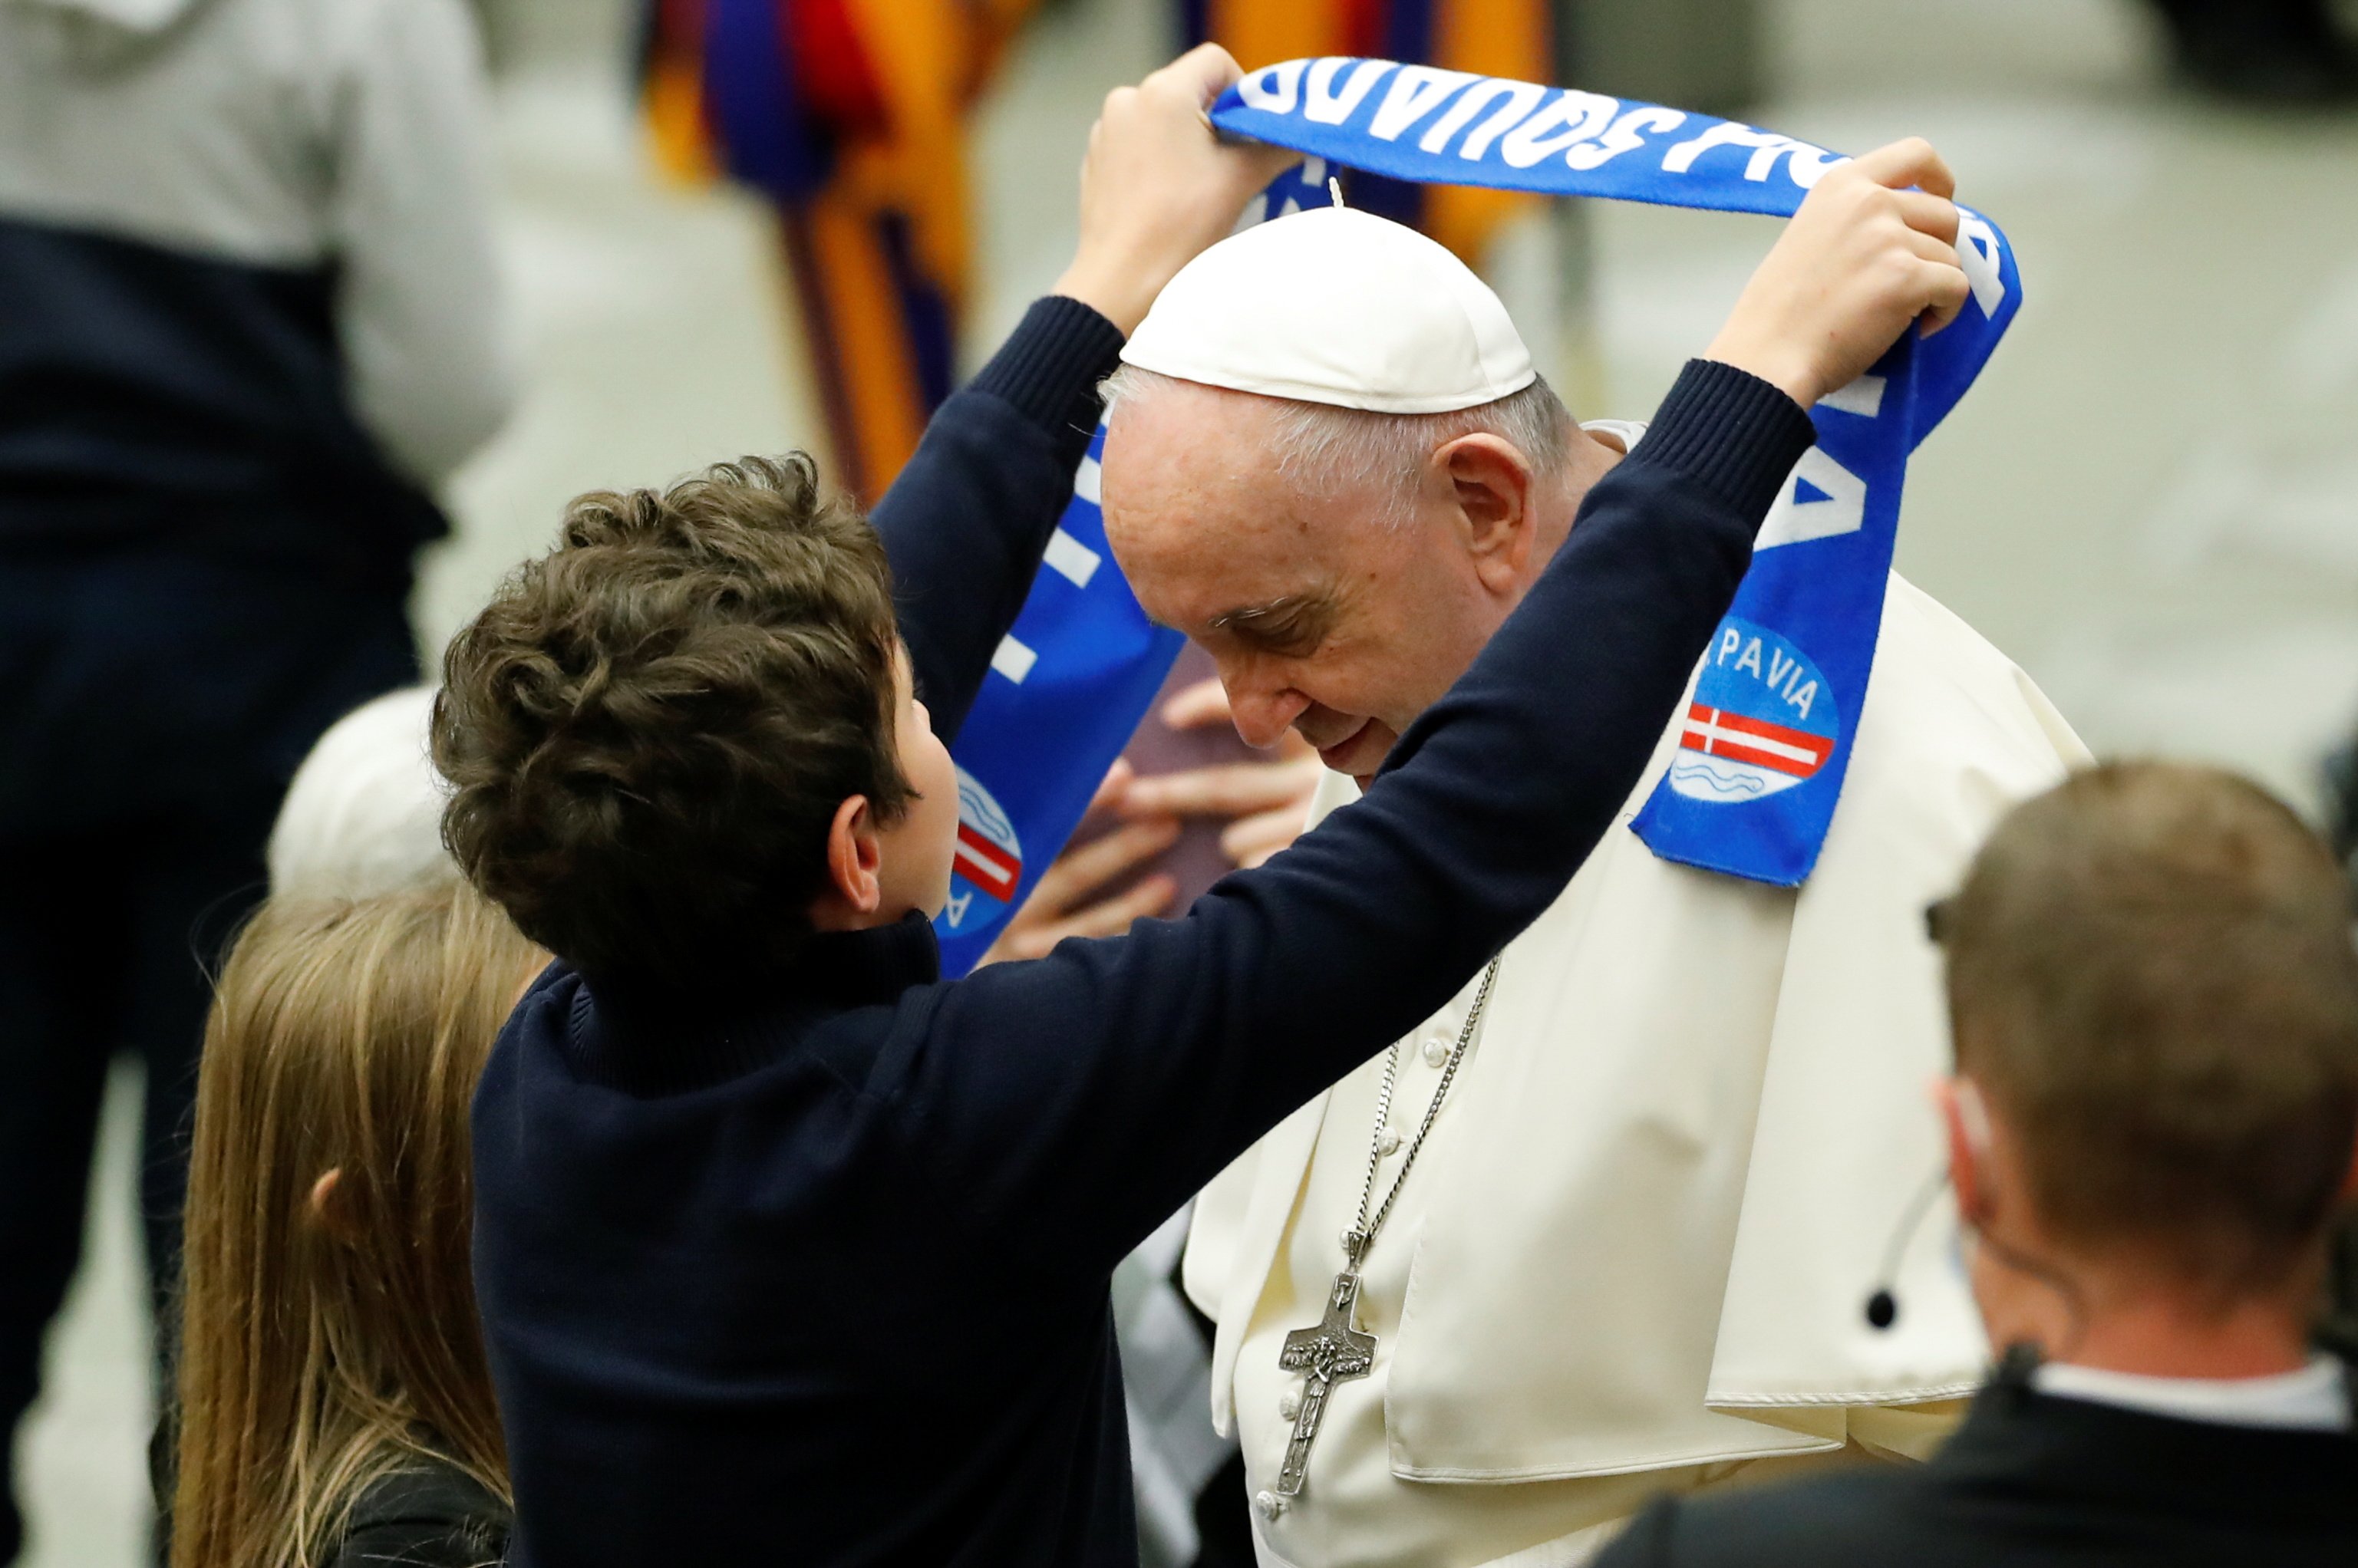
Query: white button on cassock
(1436,1051)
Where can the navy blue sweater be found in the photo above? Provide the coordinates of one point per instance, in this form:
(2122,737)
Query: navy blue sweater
(811,1267)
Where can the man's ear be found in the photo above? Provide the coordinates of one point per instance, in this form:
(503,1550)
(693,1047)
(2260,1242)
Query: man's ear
(855,853)
(1492,485)
(1967,1127)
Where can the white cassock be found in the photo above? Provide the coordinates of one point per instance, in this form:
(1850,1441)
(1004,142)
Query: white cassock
(1634,1254)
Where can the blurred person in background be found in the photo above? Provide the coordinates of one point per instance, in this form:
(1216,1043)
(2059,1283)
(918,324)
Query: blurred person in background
(249,321)
(850,119)
(364,814)
(2154,1002)
(2277,51)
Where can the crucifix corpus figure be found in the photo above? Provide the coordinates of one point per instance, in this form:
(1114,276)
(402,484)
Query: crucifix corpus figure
(1333,1352)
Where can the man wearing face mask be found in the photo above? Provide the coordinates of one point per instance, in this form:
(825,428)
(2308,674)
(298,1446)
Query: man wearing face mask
(2154,1001)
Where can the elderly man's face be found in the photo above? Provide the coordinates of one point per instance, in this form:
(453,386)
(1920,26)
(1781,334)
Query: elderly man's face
(1324,612)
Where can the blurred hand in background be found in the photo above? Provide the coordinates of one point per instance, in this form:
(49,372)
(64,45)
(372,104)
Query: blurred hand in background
(1095,888)
(1265,803)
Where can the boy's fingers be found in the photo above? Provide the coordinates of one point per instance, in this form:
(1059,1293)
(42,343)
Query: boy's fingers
(1947,288)
(1262,161)
(1929,214)
(1940,253)
(1202,74)
(1270,162)
(1908,162)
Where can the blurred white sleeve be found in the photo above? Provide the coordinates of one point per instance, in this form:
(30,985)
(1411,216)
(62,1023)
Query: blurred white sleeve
(421,309)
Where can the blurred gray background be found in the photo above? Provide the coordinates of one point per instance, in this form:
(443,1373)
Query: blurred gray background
(2150,500)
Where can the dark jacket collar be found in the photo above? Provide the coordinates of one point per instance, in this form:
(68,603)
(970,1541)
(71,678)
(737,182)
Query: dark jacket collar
(2020,1444)
(658,1040)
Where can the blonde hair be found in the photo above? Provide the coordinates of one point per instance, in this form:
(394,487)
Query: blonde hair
(325,1345)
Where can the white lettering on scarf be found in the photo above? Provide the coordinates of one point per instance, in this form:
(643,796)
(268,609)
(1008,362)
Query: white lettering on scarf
(1574,116)
(1521,98)
(1274,88)
(1626,134)
(1328,106)
(1417,91)
(1808,165)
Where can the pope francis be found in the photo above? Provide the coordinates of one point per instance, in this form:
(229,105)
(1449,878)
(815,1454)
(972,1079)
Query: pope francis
(1605,1226)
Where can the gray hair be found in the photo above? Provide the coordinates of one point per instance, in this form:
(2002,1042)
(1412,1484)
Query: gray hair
(1323,448)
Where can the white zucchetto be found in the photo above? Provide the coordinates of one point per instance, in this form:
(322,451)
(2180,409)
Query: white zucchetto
(1339,306)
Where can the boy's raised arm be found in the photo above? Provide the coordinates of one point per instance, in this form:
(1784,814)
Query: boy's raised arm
(966,521)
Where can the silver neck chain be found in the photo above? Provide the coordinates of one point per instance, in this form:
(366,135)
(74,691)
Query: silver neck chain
(1362,1233)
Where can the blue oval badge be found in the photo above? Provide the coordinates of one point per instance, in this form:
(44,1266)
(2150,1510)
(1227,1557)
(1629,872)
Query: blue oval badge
(1762,719)
(989,865)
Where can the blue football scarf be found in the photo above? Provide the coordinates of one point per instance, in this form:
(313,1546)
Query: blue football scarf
(1765,739)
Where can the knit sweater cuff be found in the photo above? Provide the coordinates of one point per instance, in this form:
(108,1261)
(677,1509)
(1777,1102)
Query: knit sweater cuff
(1731,432)
(1050,366)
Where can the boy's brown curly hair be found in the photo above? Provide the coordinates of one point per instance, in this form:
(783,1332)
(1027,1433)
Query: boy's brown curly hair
(650,728)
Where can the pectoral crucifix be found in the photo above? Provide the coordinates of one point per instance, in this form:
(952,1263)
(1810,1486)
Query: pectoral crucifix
(1333,1352)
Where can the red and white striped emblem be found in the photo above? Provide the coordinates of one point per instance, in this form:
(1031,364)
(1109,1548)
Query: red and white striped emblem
(986,865)
(1717,732)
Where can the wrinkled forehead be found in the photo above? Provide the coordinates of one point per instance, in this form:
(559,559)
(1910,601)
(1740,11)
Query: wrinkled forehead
(1202,516)
(1198,510)
(1179,435)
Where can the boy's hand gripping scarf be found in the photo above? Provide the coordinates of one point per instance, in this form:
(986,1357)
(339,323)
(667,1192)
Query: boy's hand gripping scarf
(1766,736)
